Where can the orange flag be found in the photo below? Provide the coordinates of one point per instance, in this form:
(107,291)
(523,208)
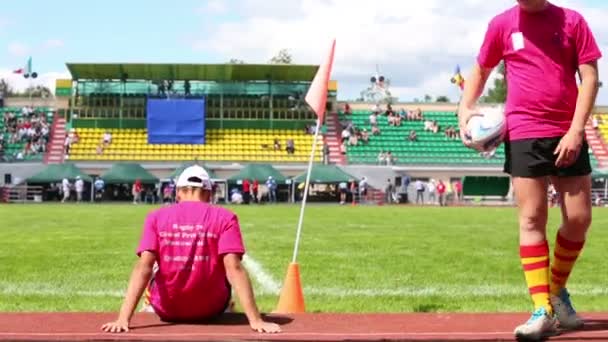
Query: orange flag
(317,93)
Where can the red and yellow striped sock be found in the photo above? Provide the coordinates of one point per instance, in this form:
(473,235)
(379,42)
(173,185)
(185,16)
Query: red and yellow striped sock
(565,254)
(535,262)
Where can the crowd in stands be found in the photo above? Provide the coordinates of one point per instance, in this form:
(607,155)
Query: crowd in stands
(352,135)
(30,129)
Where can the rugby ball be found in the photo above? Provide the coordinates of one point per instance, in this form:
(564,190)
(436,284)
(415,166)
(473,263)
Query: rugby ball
(486,131)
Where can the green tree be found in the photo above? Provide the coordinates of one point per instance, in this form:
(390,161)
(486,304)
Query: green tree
(498,92)
(6,89)
(236,61)
(443,99)
(39,91)
(428,98)
(282,57)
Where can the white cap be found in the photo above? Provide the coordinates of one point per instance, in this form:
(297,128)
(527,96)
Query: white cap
(196,177)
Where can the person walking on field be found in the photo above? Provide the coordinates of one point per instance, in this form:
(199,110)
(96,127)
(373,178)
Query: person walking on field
(543,47)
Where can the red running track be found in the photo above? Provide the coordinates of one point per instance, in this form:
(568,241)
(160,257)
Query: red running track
(306,327)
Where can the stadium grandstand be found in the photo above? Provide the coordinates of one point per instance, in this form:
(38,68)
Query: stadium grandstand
(230,116)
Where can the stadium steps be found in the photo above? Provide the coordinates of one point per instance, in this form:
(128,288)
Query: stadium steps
(597,144)
(54,154)
(333,138)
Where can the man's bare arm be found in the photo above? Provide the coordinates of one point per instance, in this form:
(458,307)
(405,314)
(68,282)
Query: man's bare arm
(239,279)
(140,277)
(586,97)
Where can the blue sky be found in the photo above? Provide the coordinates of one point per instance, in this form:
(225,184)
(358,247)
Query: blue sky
(213,31)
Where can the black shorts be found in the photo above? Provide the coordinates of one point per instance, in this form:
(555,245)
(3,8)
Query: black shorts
(533,158)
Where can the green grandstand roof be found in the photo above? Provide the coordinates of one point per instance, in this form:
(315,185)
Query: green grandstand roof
(195,72)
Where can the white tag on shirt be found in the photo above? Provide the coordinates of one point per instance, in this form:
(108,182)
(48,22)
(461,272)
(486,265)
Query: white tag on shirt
(517,38)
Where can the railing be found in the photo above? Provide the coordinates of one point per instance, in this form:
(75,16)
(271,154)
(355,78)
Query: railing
(22,194)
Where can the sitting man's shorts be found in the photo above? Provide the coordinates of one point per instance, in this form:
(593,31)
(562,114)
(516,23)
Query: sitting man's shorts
(533,158)
(147,305)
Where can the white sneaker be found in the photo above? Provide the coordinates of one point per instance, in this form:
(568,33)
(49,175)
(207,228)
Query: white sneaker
(566,315)
(538,327)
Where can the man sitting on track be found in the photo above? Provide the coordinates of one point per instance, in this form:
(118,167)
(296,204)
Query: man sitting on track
(543,47)
(197,248)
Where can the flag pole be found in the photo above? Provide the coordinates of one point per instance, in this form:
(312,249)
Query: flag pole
(305,196)
(291,298)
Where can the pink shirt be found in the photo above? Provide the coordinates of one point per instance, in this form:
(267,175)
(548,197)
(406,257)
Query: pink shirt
(542,52)
(189,240)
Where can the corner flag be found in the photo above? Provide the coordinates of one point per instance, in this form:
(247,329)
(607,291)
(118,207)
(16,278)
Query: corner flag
(317,93)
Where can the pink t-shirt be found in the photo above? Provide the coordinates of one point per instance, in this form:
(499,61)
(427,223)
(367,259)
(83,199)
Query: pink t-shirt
(542,52)
(189,240)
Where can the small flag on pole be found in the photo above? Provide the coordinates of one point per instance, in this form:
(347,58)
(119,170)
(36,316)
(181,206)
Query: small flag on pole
(317,93)
(291,298)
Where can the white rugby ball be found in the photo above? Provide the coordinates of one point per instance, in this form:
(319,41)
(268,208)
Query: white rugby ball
(487,130)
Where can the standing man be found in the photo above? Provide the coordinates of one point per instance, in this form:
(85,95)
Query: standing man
(65,186)
(254,189)
(246,191)
(99,187)
(543,46)
(79,185)
(271,184)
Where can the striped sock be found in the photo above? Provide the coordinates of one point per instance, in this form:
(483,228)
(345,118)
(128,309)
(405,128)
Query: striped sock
(565,254)
(535,262)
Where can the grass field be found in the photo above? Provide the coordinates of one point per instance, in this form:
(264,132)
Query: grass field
(361,259)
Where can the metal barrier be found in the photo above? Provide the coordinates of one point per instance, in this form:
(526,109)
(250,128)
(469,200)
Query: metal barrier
(22,194)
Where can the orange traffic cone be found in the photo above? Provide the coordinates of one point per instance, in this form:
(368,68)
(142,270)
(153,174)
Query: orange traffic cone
(291,299)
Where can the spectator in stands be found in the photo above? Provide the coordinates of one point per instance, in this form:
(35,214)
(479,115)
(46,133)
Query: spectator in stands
(403,114)
(345,135)
(67,144)
(390,159)
(376,109)
(381,158)
(389,110)
(136,191)
(107,138)
(450,133)
(364,136)
(347,109)
(65,187)
(413,136)
(271,184)
(373,119)
(99,149)
(343,148)
(441,188)
(326,154)
(79,186)
(353,140)
(277,144)
(595,122)
(375,130)
(435,127)
(2,158)
(290,146)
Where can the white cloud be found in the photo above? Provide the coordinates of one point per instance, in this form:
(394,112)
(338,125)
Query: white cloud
(19,83)
(18,49)
(213,7)
(416,43)
(53,43)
